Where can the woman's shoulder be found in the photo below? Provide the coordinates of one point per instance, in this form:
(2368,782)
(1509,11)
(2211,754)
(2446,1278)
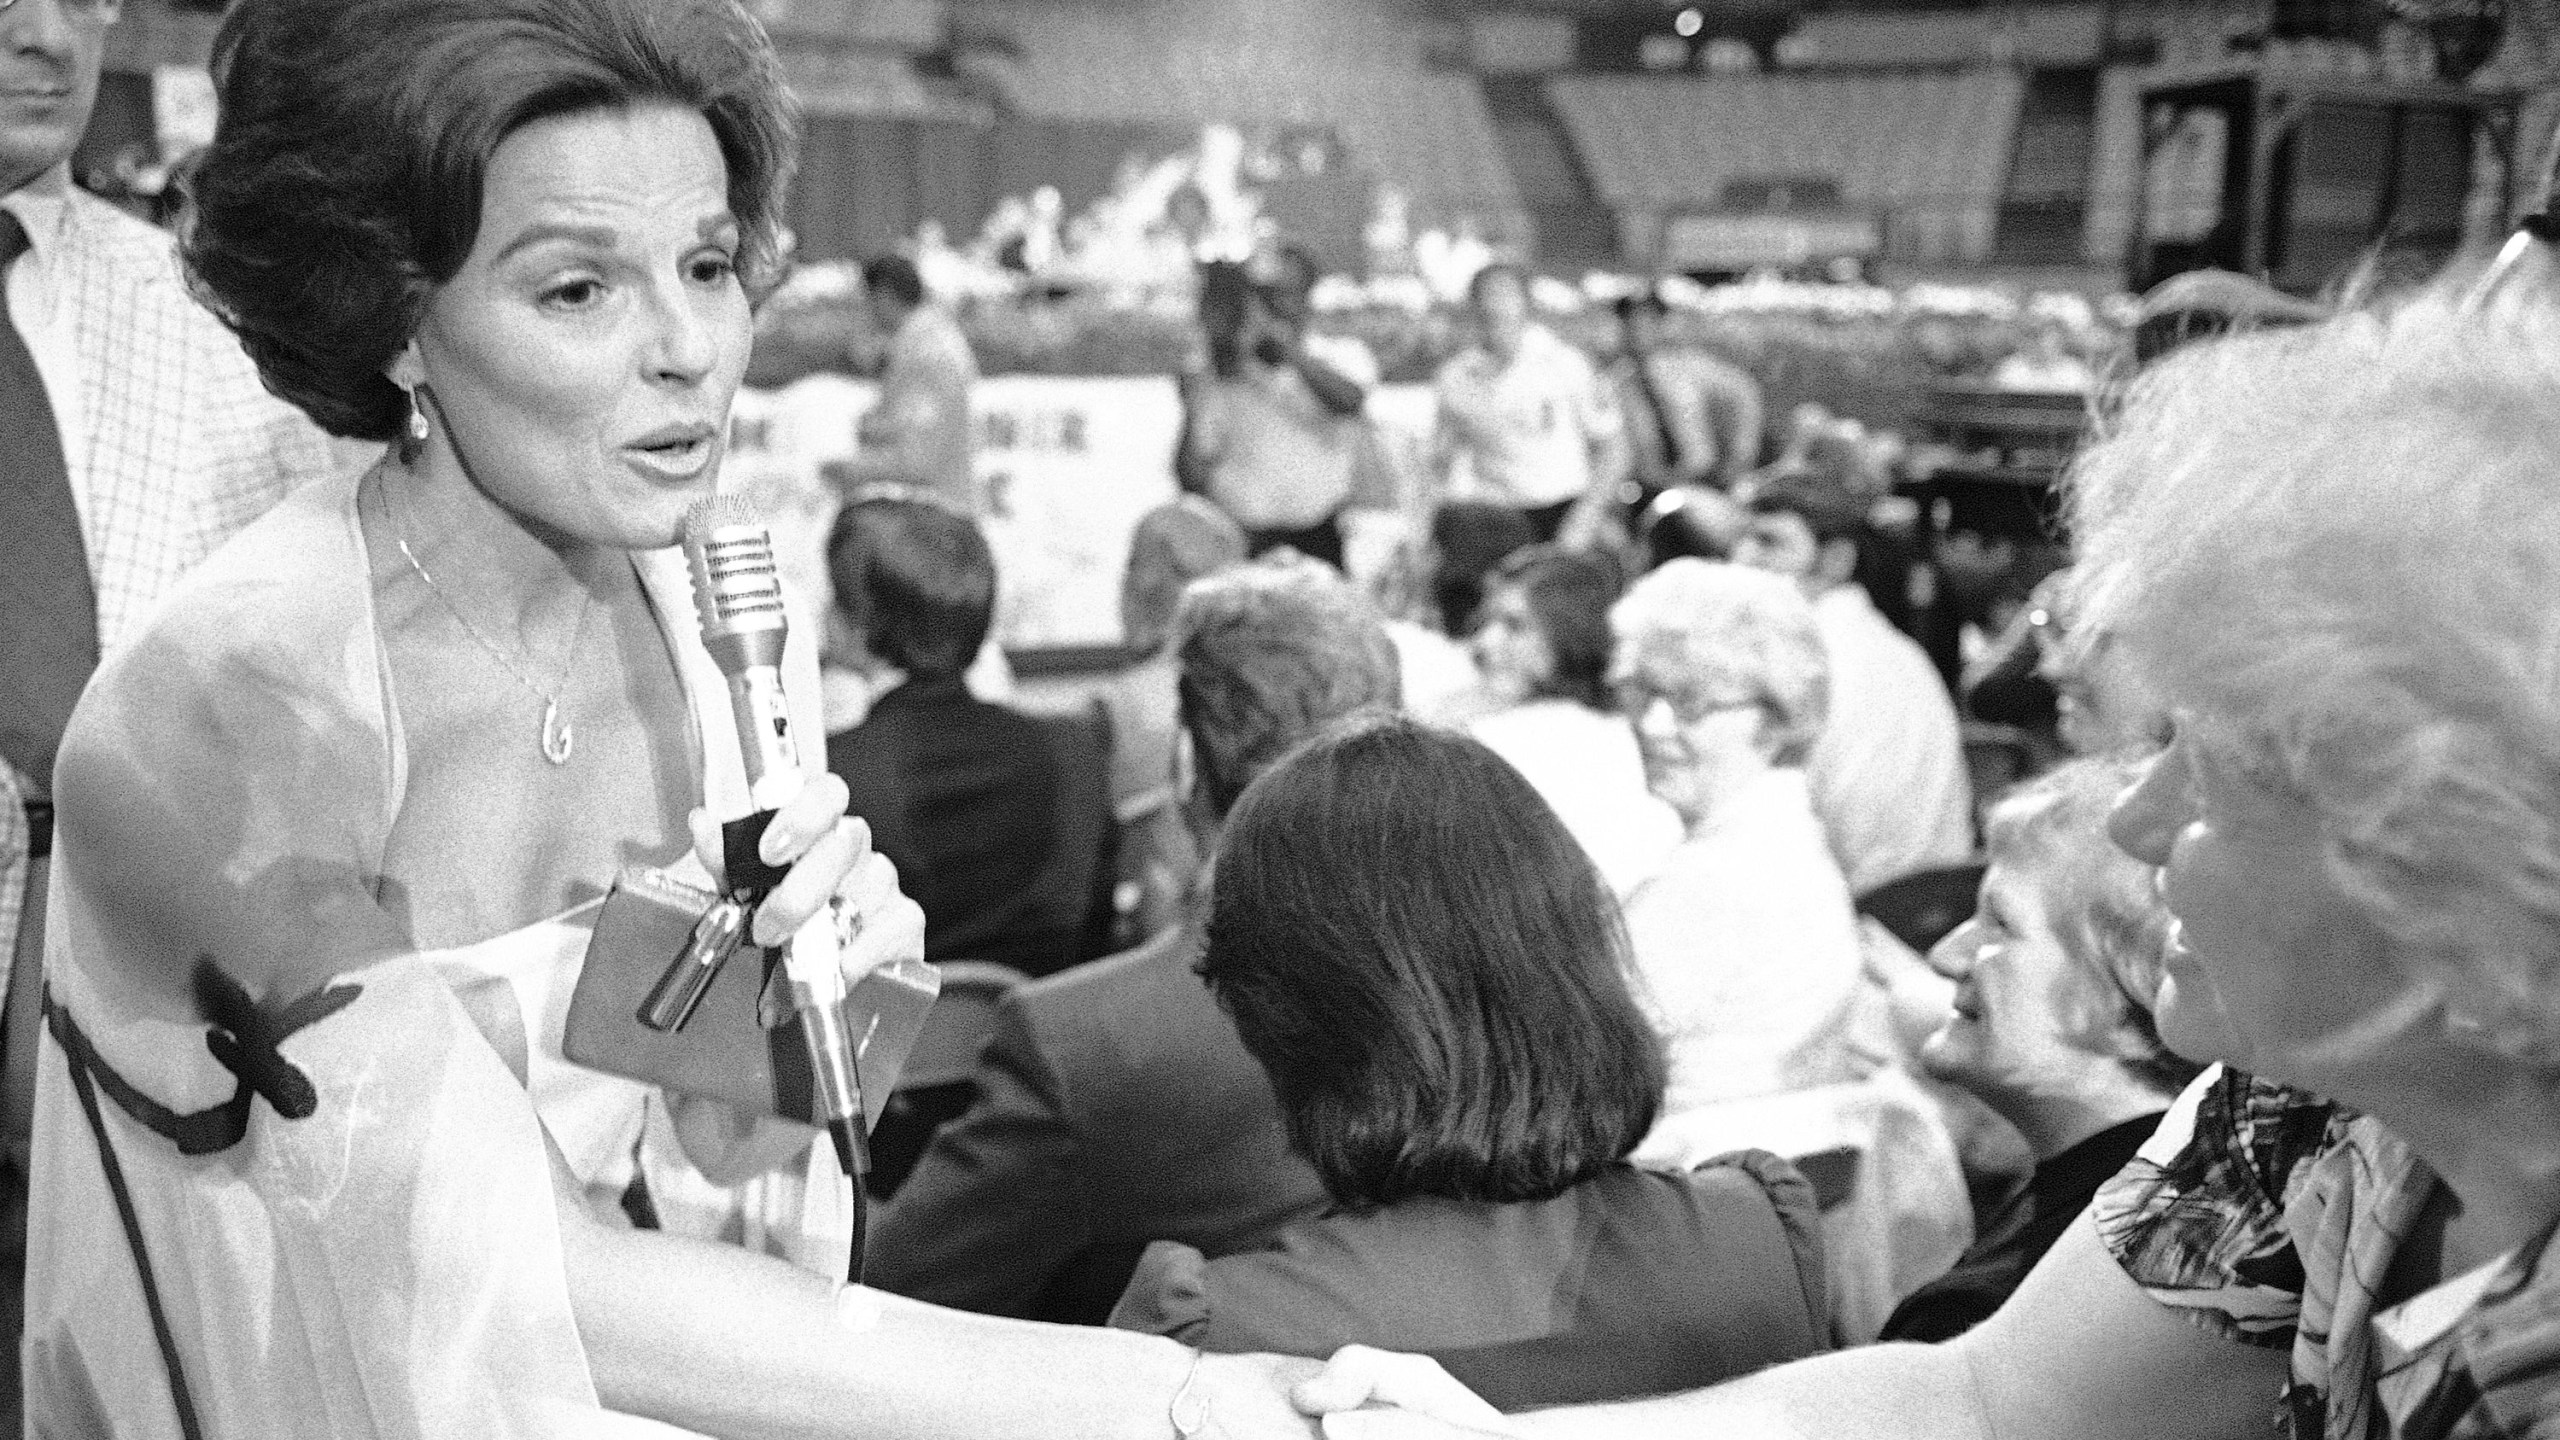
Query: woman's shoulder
(224,785)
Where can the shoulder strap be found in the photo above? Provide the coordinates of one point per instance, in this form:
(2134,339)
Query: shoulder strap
(75,1050)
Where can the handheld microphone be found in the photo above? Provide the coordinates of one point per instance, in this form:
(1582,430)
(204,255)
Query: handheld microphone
(737,592)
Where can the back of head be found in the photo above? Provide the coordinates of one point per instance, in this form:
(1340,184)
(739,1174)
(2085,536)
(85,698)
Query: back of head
(917,581)
(1173,545)
(343,184)
(1471,537)
(1430,970)
(1829,504)
(2110,918)
(1735,634)
(895,276)
(2335,547)
(1269,654)
(1569,592)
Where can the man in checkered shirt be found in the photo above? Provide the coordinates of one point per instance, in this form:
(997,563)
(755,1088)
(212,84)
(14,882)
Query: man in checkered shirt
(169,443)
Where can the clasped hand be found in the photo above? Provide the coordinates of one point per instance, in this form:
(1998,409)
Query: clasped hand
(831,863)
(831,860)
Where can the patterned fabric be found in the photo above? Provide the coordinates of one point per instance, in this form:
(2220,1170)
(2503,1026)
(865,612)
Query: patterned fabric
(2272,1217)
(180,445)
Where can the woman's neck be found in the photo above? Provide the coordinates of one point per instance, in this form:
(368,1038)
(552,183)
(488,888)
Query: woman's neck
(2052,1121)
(2494,1140)
(522,586)
(1723,780)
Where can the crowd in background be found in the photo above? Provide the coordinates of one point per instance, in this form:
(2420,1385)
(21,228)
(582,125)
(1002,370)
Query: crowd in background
(1668,922)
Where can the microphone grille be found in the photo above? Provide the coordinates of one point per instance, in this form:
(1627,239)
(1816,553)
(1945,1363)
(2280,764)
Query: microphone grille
(736,585)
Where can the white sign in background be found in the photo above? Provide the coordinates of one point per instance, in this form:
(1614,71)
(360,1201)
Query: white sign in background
(1065,468)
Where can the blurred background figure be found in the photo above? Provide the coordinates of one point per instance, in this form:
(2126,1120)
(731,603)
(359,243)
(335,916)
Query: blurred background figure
(999,821)
(1271,431)
(1525,419)
(1174,544)
(1469,540)
(1115,1104)
(1691,418)
(1744,939)
(1887,768)
(2055,976)
(1433,976)
(918,431)
(1541,644)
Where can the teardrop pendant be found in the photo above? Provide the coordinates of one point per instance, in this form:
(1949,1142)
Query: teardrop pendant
(559,737)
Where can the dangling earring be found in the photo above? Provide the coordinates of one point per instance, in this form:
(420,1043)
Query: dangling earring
(413,435)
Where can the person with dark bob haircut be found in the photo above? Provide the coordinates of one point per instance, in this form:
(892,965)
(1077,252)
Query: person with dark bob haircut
(1541,645)
(1435,980)
(332,829)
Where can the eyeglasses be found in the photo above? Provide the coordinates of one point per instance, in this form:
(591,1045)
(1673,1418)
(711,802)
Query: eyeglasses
(1635,699)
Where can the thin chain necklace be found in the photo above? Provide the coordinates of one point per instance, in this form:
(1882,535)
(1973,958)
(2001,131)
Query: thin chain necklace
(559,737)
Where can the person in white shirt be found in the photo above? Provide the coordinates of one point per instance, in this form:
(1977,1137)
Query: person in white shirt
(1541,646)
(1525,420)
(1744,939)
(1273,430)
(1888,772)
(917,433)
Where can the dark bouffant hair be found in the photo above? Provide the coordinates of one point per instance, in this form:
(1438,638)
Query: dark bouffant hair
(1430,971)
(1569,592)
(343,184)
(916,579)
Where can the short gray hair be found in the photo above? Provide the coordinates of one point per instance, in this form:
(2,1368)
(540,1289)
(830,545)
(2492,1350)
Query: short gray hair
(2113,925)
(1270,654)
(1738,631)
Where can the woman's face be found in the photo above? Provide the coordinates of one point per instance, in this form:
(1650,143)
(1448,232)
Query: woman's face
(2270,966)
(2021,1001)
(583,359)
(1694,739)
(1510,651)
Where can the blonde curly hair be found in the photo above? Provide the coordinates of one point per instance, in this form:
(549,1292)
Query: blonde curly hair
(2336,552)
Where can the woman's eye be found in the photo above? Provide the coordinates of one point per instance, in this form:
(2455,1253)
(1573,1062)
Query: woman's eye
(712,269)
(575,294)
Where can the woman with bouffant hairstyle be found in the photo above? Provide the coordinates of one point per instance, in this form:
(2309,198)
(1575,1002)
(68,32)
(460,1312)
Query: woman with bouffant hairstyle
(1433,976)
(309,1159)
(345,183)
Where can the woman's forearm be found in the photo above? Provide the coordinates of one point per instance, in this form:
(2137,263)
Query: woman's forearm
(732,1343)
(1883,1392)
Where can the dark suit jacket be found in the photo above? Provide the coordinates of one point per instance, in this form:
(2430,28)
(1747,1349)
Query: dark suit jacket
(1630,1283)
(1115,1106)
(962,796)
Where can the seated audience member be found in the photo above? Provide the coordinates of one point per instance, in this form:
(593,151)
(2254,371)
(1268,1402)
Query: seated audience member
(1888,769)
(962,795)
(1115,1103)
(1174,544)
(1469,538)
(1744,939)
(1432,974)
(1541,644)
(2052,1026)
(2330,553)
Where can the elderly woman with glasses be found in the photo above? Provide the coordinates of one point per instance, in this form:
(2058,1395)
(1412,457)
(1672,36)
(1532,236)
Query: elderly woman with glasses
(1744,938)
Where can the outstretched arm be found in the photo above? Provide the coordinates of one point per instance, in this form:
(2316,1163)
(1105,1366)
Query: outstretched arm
(2079,1350)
